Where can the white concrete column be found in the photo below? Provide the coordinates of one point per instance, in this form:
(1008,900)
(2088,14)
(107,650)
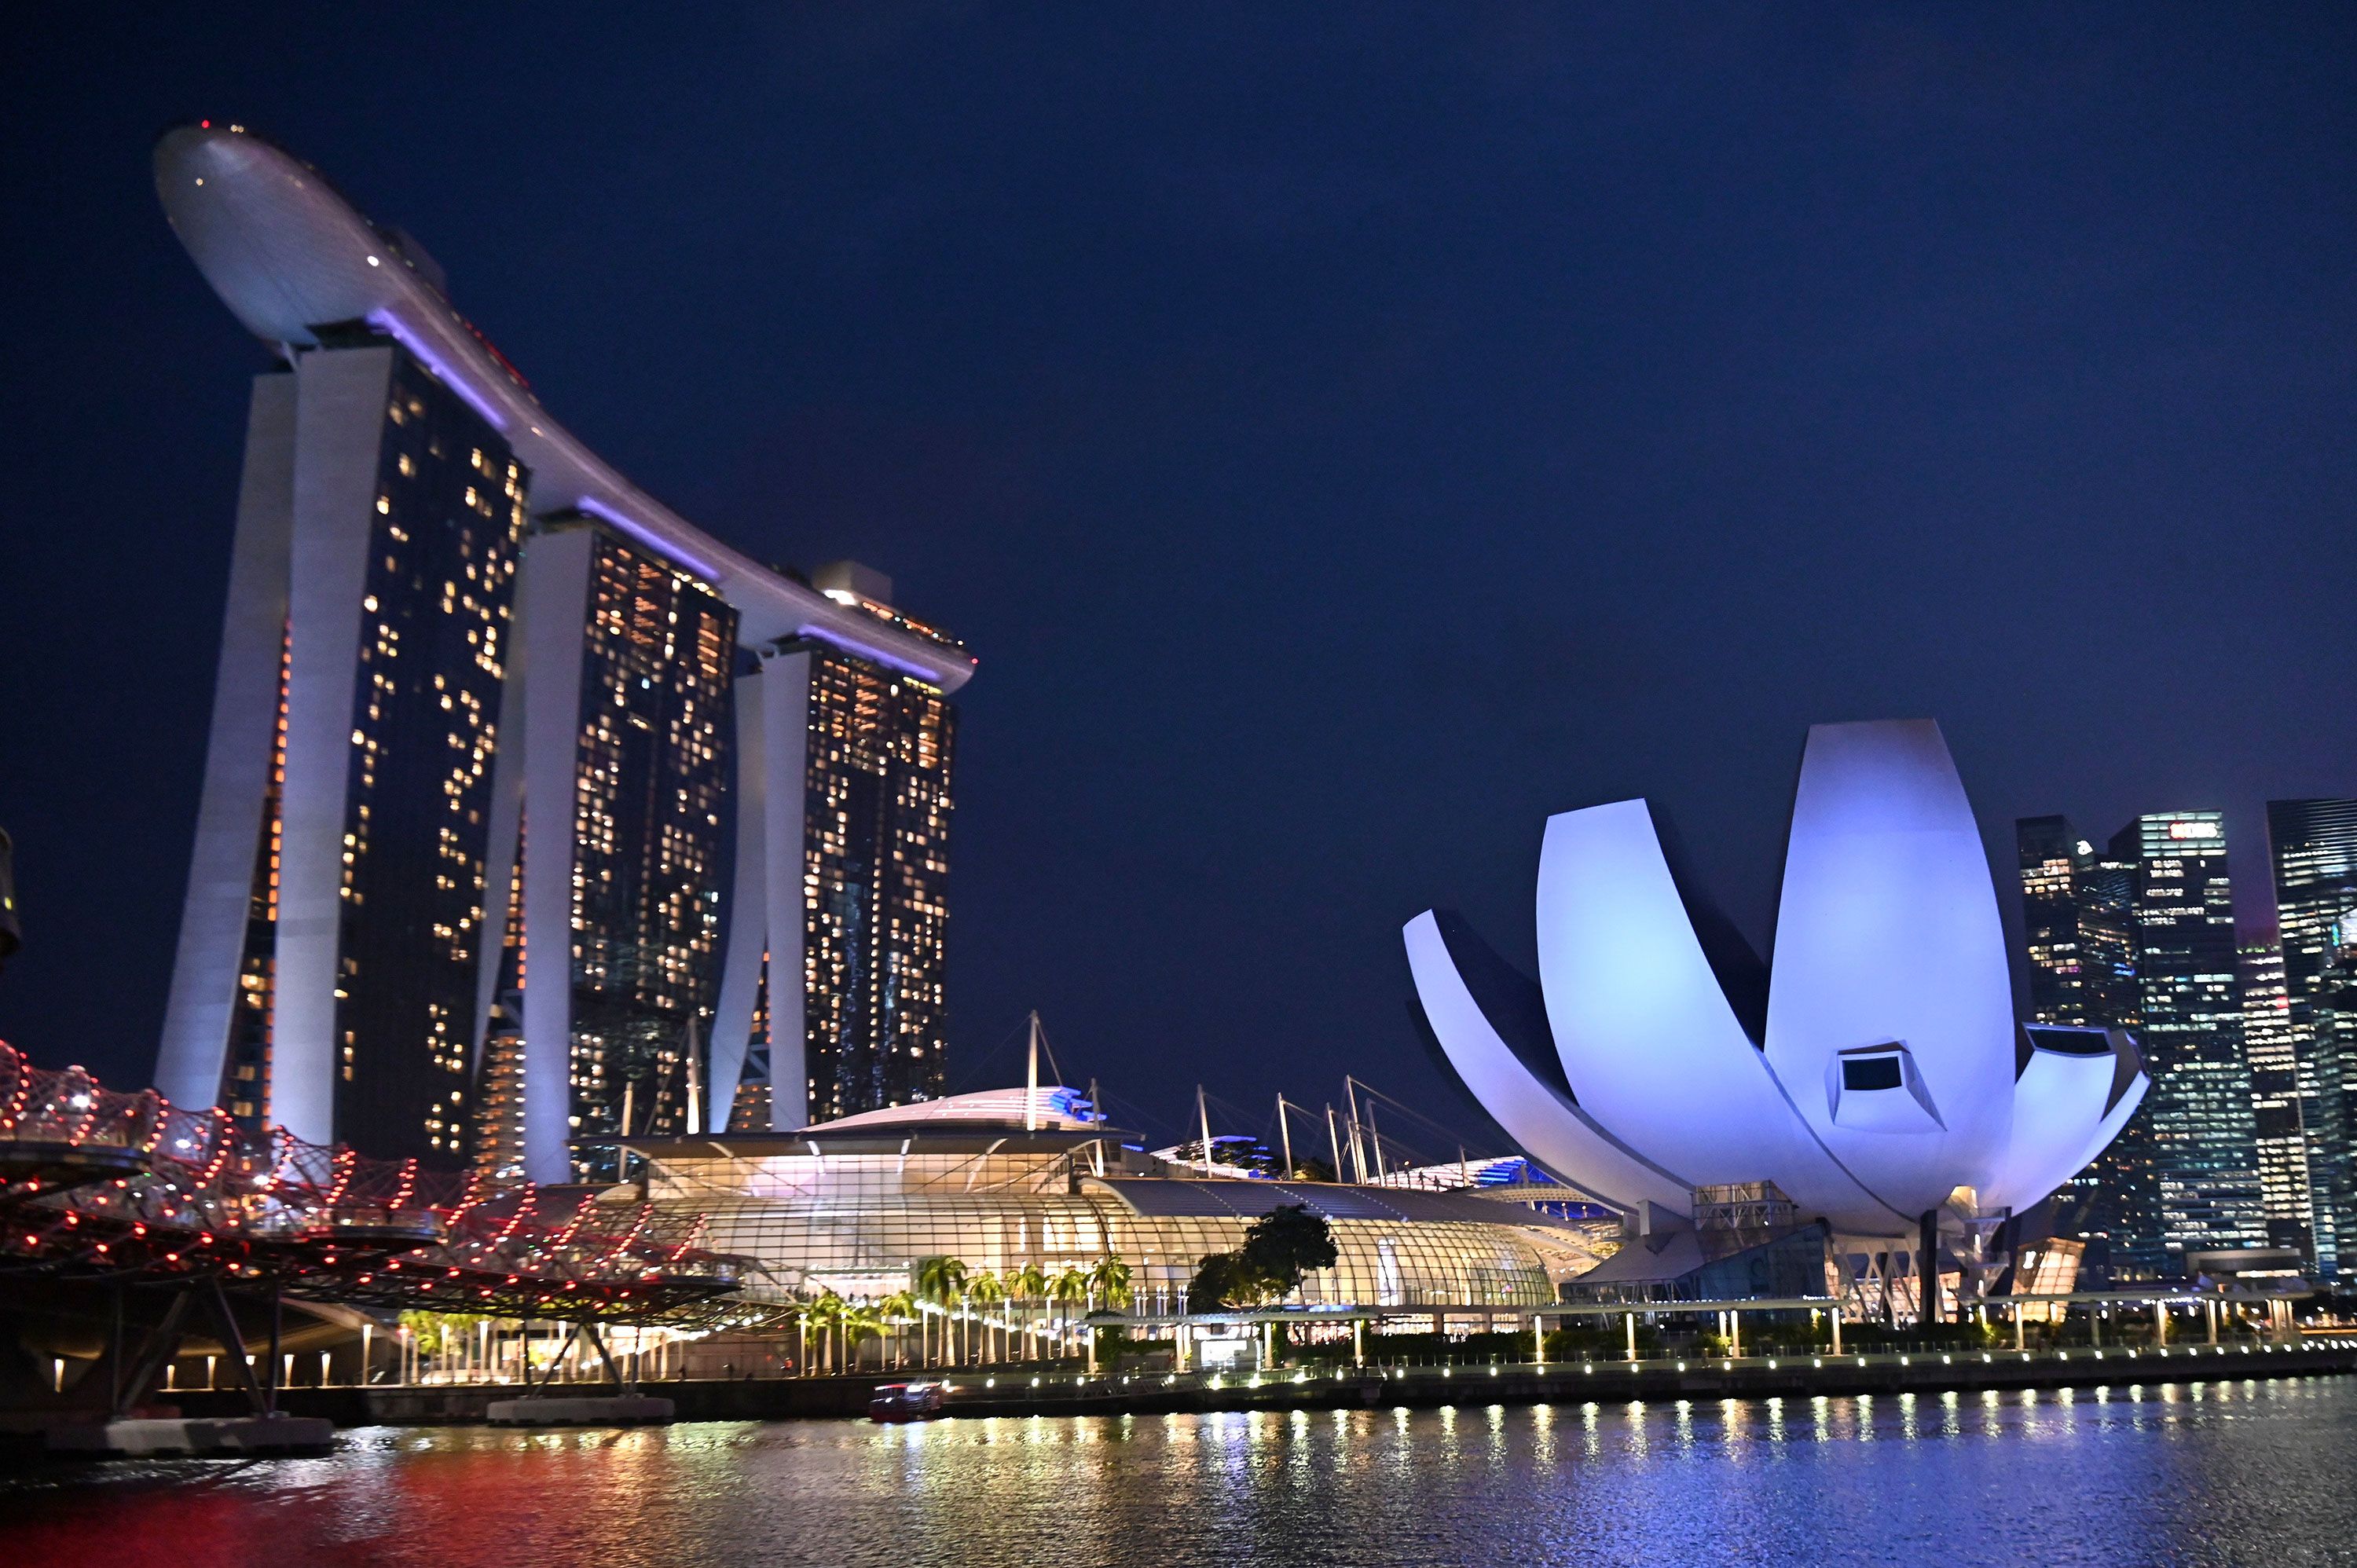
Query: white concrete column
(203,1005)
(506,827)
(552,589)
(785,741)
(749,906)
(338,431)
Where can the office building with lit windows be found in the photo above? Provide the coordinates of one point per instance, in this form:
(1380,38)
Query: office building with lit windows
(2076,926)
(2199,1120)
(517,781)
(877,812)
(2312,848)
(2287,1192)
(2078,935)
(348,776)
(2141,936)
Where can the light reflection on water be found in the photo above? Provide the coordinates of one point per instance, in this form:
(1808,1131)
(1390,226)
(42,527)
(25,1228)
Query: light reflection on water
(2225,1473)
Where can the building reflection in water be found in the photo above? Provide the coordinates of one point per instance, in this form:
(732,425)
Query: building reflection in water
(2255,1469)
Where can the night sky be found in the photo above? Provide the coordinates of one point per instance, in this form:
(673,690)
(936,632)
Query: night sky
(1345,436)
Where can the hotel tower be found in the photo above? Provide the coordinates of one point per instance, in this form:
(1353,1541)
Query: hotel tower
(532,815)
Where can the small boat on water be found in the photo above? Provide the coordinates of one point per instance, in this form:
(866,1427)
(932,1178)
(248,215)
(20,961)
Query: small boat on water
(905,1402)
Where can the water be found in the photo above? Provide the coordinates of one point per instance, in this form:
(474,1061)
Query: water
(2250,1472)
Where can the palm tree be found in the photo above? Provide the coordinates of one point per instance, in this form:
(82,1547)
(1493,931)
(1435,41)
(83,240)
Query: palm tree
(897,1311)
(823,1312)
(987,1291)
(1110,1279)
(941,1281)
(1030,1284)
(859,1322)
(1071,1285)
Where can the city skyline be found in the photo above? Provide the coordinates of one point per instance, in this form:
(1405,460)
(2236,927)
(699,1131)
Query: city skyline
(1179,441)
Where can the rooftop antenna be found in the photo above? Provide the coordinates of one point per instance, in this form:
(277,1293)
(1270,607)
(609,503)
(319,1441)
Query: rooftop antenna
(1284,1133)
(1031,1079)
(1204,1118)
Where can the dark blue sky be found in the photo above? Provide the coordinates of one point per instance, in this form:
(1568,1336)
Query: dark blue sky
(1344,435)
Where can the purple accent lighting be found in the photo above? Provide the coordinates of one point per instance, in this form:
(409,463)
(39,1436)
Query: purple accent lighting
(394,327)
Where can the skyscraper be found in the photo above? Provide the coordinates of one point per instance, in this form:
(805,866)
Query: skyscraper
(2188,1023)
(859,790)
(625,701)
(2312,846)
(480,747)
(335,912)
(2077,925)
(2078,929)
(2268,1045)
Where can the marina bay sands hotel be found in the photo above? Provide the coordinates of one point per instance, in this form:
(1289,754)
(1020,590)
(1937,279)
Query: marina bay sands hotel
(532,815)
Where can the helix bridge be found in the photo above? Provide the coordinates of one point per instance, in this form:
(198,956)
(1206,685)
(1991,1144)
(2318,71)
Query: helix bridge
(105,1188)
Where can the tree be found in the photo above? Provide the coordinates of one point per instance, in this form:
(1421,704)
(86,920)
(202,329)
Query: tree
(1028,1284)
(823,1313)
(1282,1245)
(941,1281)
(897,1311)
(1071,1285)
(1287,1243)
(1222,1280)
(1110,1280)
(858,1323)
(987,1291)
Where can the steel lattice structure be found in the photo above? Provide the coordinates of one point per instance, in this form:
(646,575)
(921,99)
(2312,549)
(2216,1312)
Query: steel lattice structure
(95,1184)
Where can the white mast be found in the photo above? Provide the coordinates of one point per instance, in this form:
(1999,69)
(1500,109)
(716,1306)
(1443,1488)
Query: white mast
(1334,1138)
(1203,1117)
(1031,1079)
(694,1086)
(1284,1132)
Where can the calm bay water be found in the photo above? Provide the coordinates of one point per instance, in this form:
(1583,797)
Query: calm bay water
(2253,1471)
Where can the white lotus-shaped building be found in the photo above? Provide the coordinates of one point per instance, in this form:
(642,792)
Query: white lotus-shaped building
(1877,1068)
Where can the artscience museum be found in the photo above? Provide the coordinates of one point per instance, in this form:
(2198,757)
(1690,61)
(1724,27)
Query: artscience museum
(1868,1080)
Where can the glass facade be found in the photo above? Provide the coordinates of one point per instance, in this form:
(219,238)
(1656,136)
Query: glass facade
(653,764)
(245,1068)
(2079,935)
(2268,1044)
(2313,847)
(441,571)
(877,803)
(442,546)
(859,1223)
(2198,1117)
(2077,926)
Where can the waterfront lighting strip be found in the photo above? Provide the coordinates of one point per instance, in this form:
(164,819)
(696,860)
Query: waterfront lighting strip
(1301,1377)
